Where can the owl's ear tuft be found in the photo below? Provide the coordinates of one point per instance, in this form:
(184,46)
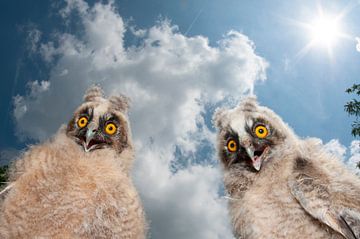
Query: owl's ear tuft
(249,102)
(120,103)
(218,116)
(94,93)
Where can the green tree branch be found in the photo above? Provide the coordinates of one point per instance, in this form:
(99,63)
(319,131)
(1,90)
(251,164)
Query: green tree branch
(353,109)
(3,175)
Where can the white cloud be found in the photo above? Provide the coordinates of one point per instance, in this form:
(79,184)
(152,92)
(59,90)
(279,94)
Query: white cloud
(354,159)
(74,5)
(20,107)
(37,88)
(357,44)
(350,156)
(336,148)
(33,38)
(181,205)
(170,77)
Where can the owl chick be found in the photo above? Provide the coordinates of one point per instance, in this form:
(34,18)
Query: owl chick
(279,185)
(77,184)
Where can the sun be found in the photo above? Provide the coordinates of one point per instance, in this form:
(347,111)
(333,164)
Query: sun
(325,31)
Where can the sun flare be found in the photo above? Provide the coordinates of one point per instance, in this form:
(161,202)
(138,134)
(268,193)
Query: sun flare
(325,31)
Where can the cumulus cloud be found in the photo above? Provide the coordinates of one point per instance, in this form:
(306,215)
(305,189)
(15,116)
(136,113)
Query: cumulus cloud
(33,38)
(181,205)
(349,155)
(354,159)
(36,89)
(171,78)
(336,148)
(357,43)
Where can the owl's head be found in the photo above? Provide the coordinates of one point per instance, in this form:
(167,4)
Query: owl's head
(249,135)
(100,123)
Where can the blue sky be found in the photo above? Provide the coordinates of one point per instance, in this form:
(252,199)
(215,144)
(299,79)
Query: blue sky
(314,80)
(181,59)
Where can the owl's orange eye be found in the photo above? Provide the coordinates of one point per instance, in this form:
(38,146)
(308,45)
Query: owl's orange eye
(110,128)
(82,122)
(232,145)
(261,131)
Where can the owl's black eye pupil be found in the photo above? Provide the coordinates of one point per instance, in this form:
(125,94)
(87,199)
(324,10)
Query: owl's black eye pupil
(261,131)
(82,121)
(232,145)
(110,128)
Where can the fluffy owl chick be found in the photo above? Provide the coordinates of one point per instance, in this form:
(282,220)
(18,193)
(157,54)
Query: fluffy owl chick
(281,186)
(77,184)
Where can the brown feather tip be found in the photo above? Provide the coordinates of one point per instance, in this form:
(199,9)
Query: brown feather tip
(217,116)
(121,103)
(94,93)
(249,103)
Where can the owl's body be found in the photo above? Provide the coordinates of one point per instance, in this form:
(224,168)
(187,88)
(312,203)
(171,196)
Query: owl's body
(60,190)
(281,186)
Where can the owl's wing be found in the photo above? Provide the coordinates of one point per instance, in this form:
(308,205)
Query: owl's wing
(338,209)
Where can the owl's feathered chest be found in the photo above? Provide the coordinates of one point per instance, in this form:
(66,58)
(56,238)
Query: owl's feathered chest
(61,190)
(262,205)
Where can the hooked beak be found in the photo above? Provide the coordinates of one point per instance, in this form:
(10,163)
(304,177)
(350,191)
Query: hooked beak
(90,142)
(254,154)
(257,156)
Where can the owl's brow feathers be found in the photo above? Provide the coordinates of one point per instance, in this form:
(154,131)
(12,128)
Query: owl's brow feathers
(249,128)
(110,117)
(230,132)
(87,111)
(256,121)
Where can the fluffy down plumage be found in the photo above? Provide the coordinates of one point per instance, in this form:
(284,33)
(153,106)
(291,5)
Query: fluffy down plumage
(60,191)
(281,186)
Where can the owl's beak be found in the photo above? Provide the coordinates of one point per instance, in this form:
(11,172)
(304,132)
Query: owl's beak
(90,133)
(255,160)
(257,156)
(90,142)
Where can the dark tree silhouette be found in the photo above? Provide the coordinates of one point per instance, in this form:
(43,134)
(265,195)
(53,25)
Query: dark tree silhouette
(3,175)
(353,108)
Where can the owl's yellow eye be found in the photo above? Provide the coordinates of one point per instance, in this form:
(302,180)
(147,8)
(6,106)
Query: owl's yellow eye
(232,145)
(261,131)
(82,122)
(110,128)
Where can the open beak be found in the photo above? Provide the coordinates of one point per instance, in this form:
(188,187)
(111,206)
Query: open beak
(257,156)
(90,142)
(255,160)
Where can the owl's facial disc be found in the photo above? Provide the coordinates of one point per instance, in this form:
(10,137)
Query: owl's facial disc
(95,128)
(250,146)
(247,152)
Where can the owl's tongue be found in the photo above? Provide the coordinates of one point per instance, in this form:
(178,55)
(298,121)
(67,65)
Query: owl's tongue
(256,159)
(256,162)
